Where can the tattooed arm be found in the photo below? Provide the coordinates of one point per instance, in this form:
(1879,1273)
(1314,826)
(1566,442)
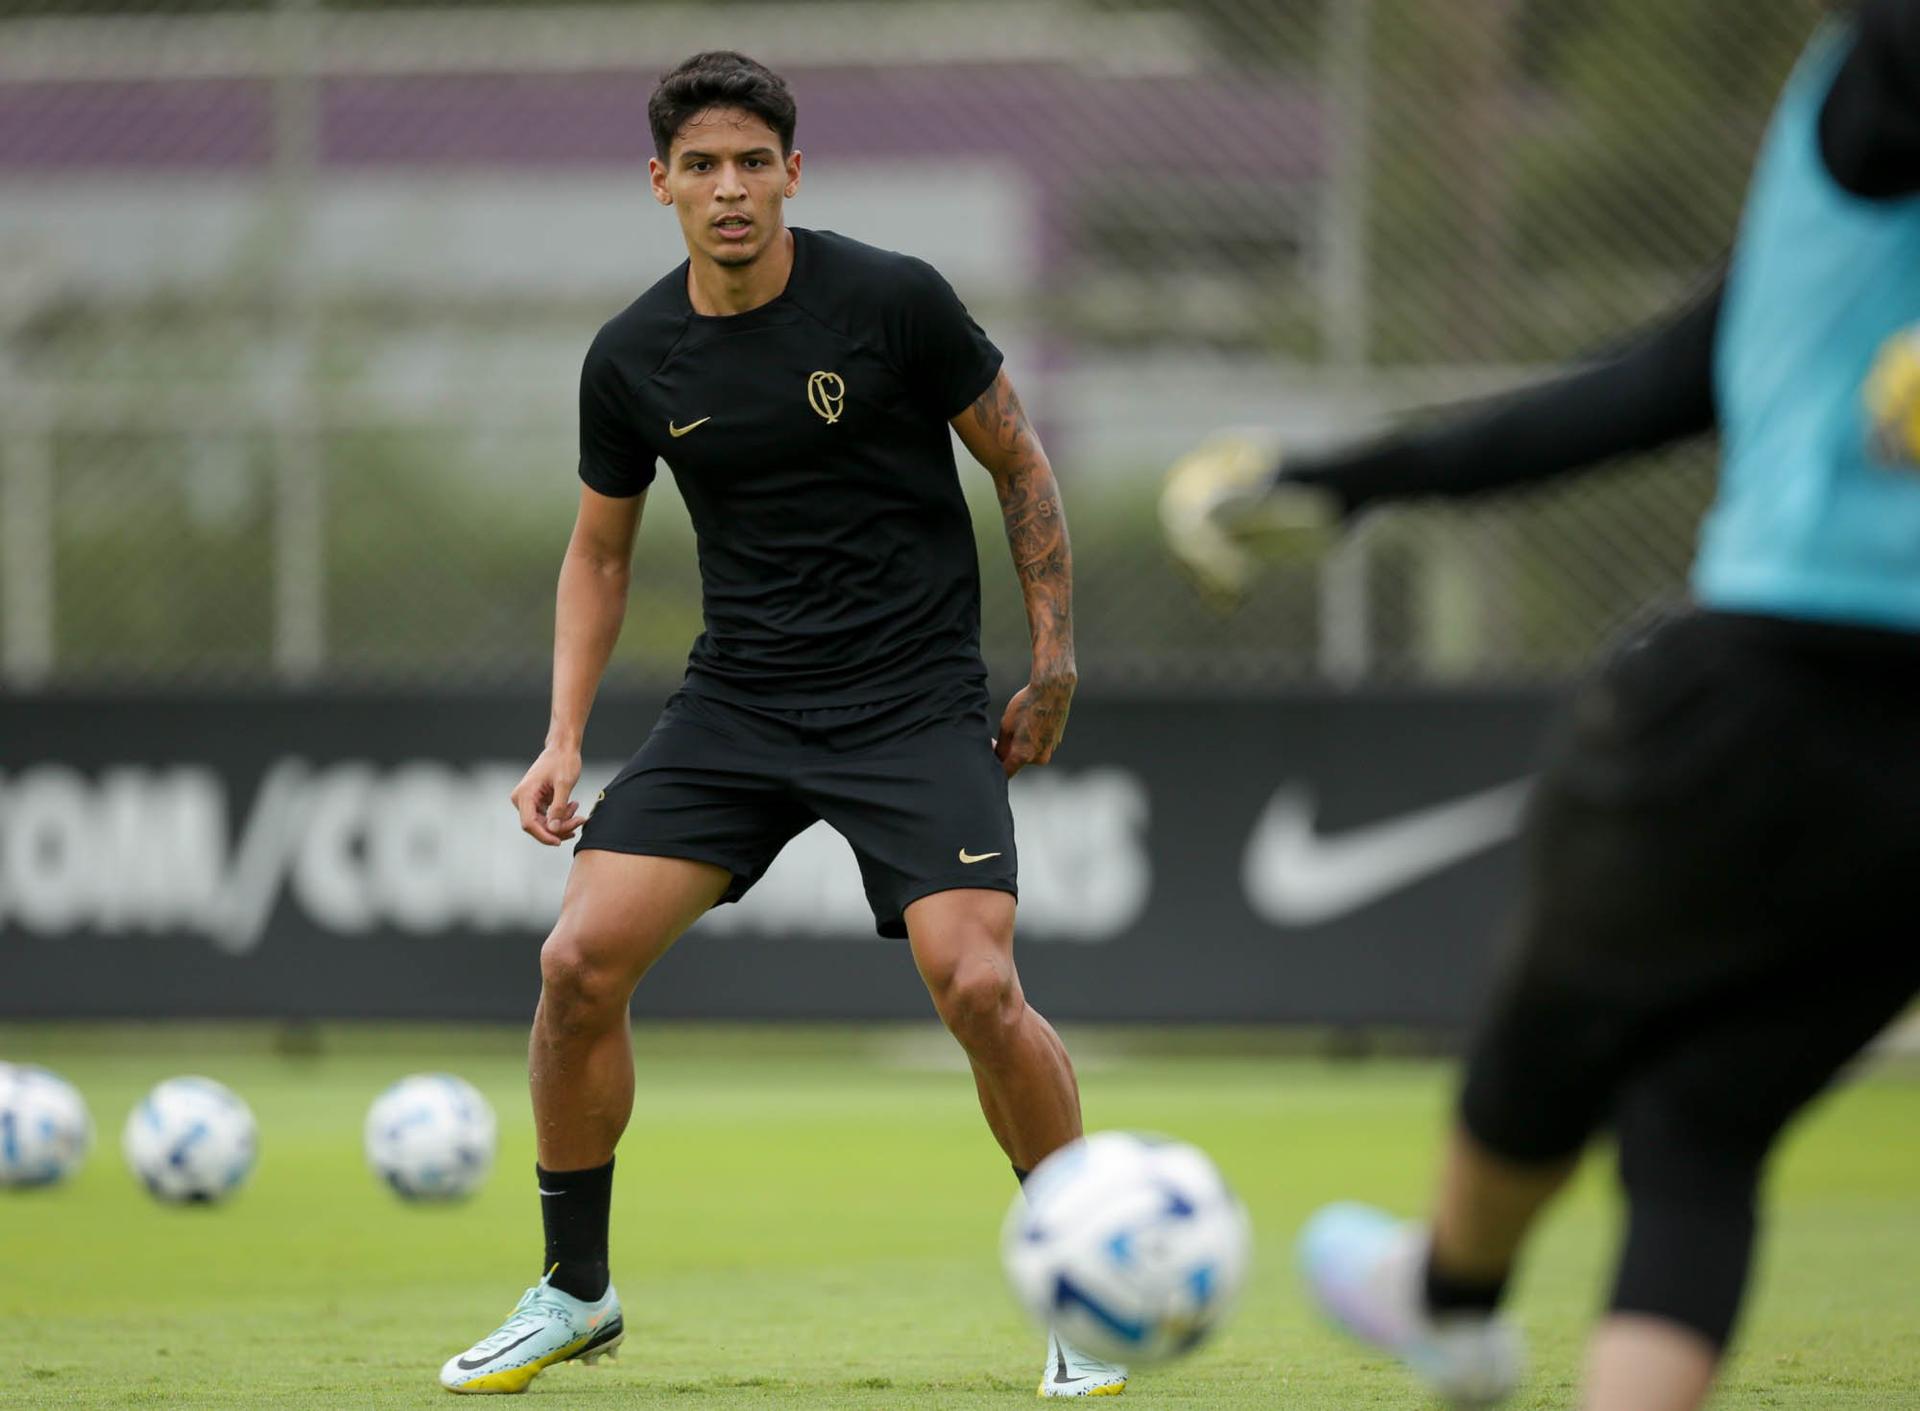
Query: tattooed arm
(996,431)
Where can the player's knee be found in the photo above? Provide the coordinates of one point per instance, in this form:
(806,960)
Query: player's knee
(578,990)
(1539,1078)
(980,1002)
(1677,1147)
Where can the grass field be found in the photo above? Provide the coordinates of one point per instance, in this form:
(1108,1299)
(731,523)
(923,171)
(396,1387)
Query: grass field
(807,1218)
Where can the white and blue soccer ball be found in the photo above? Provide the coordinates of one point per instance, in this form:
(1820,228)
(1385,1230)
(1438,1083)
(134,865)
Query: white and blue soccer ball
(1130,1247)
(45,1132)
(191,1141)
(430,1137)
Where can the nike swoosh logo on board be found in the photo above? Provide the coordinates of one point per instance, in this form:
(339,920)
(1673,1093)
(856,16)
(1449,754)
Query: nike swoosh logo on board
(969,858)
(467,1366)
(1295,876)
(678,431)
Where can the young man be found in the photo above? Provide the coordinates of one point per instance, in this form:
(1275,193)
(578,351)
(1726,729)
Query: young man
(1722,845)
(800,387)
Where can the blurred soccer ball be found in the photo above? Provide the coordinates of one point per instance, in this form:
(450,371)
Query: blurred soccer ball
(1130,1247)
(191,1140)
(45,1132)
(430,1136)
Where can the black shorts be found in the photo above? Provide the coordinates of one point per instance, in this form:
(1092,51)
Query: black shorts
(911,783)
(1725,835)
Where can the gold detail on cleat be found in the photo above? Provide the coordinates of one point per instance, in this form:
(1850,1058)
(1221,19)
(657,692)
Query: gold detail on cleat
(516,1379)
(1110,1389)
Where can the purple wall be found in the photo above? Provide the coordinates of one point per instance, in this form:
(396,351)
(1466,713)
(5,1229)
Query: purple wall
(1059,125)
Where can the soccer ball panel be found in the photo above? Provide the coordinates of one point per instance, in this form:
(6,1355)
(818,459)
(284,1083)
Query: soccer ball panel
(191,1141)
(45,1129)
(431,1137)
(1130,1247)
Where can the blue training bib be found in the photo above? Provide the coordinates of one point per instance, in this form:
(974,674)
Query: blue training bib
(1810,522)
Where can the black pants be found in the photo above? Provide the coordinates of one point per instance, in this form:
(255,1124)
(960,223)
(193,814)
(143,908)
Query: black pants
(1722,857)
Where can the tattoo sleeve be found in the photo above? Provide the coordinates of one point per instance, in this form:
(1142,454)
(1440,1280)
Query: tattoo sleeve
(1007,446)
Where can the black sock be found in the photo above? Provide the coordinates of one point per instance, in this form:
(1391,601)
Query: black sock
(1447,1294)
(1021,1176)
(573,1207)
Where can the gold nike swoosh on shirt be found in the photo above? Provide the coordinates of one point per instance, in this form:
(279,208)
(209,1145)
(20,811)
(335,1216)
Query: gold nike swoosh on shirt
(972,857)
(678,431)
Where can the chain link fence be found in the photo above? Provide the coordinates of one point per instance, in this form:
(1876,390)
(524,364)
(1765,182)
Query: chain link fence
(293,297)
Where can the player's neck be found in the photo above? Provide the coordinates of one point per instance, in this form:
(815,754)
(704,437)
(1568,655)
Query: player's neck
(718,290)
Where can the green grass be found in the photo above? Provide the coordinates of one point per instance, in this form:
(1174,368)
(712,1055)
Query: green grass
(808,1218)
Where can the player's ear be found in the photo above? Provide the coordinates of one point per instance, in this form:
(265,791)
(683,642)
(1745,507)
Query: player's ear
(793,173)
(657,180)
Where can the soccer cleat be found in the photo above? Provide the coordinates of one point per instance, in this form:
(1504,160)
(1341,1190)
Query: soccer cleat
(547,1326)
(1222,507)
(1366,1269)
(1070,1372)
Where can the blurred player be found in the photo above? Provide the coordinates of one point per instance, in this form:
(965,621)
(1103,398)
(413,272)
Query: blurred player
(800,386)
(1722,844)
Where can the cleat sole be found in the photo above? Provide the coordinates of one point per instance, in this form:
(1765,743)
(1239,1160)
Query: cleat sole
(609,1349)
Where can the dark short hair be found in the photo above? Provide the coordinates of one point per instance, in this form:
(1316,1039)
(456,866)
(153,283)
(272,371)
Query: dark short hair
(719,78)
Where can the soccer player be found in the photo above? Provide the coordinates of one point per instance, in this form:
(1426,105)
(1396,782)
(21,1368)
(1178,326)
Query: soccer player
(800,386)
(1721,847)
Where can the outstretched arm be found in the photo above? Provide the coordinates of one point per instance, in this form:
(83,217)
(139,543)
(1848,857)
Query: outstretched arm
(1658,388)
(1236,492)
(996,431)
(1653,391)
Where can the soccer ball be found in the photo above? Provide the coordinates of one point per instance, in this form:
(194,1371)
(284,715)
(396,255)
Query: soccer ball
(45,1131)
(430,1137)
(191,1140)
(1130,1247)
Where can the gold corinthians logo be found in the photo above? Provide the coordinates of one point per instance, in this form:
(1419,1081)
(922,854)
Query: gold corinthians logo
(826,394)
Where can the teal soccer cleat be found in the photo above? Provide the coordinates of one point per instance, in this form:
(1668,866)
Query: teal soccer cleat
(1070,1372)
(1364,1269)
(547,1326)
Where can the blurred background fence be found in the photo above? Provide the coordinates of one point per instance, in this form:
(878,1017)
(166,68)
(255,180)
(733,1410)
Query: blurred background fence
(293,297)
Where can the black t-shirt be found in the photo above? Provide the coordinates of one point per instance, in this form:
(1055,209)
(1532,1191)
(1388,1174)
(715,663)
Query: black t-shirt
(809,440)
